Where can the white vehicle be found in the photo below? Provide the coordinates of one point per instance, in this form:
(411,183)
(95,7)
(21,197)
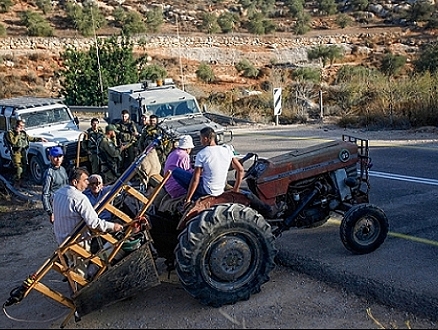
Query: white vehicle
(44,117)
(178,111)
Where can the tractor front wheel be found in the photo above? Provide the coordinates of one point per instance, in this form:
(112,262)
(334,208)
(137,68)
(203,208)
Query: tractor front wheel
(364,228)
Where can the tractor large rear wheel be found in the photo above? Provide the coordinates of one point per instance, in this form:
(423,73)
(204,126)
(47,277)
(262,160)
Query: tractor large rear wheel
(225,254)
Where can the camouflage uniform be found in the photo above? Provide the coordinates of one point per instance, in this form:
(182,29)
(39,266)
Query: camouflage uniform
(19,142)
(127,135)
(111,158)
(91,145)
(148,134)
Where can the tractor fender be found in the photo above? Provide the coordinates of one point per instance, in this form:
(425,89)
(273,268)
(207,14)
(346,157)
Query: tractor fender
(207,202)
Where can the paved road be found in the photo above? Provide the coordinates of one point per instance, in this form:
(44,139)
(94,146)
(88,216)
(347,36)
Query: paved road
(402,272)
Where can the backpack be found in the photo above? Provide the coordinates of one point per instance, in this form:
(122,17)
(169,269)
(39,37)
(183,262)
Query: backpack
(6,142)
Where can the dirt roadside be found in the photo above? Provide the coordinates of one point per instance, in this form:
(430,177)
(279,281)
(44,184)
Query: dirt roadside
(288,300)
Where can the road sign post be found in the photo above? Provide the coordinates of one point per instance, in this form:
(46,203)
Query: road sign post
(277,103)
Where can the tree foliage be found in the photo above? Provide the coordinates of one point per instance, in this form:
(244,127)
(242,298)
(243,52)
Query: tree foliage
(325,54)
(133,23)
(302,24)
(391,64)
(427,59)
(228,21)
(247,69)
(259,24)
(2,30)
(258,6)
(327,7)
(82,76)
(37,25)
(343,20)
(44,5)
(205,73)
(153,72)
(154,19)
(296,7)
(5,5)
(307,74)
(209,23)
(359,4)
(86,19)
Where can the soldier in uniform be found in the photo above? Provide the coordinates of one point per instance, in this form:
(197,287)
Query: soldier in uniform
(91,144)
(19,140)
(127,135)
(110,155)
(149,133)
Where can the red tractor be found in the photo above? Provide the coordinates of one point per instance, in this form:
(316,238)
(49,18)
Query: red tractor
(223,248)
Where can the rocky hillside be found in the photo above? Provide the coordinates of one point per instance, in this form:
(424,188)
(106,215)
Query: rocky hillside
(30,65)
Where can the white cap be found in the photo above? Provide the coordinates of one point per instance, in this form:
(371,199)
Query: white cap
(185,142)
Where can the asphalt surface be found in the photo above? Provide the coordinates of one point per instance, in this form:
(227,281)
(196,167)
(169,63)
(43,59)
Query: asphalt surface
(401,273)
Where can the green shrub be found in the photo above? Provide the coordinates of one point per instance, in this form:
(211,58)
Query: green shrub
(154,19)
(307,74)
(45,6)
(86,19)
(37,25)
(247,69)
(205,73)
(133,23)
(153,72)
(343,20)
(209,23)
(227,22)
(2,30)
(5,5)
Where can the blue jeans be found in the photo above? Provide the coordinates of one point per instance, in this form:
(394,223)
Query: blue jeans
(184,177)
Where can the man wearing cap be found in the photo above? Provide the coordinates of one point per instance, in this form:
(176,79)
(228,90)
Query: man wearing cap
(91,144)
(55,176)
(18,140)
(110,154)
(178,158)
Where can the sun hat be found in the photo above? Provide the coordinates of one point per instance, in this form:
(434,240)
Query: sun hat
(56,152)
(111,127)
(185,142)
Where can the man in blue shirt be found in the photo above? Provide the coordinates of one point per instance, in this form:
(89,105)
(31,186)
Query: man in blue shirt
(95,191)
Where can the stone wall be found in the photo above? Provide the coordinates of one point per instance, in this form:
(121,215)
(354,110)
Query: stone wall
(225,49)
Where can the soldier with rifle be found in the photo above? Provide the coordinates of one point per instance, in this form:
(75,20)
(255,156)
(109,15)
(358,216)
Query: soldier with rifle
(91,144)
(127,135)
(18,141)
(111,155)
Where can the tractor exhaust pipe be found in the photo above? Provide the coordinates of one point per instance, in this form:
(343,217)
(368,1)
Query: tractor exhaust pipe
(289,221)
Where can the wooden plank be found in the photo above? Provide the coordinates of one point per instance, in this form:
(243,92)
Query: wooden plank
(86,255)
(121,215)
(135,193)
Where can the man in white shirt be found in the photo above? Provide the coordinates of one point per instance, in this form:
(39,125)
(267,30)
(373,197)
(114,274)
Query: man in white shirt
(211,169)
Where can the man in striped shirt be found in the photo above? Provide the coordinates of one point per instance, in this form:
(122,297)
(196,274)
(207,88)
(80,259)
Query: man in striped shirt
(71,206)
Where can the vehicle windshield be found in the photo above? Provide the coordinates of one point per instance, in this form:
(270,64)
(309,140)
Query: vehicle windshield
(46,117)
(186,107)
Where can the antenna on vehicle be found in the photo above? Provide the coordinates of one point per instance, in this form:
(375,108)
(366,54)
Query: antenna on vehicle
(97,50)
(179,51)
